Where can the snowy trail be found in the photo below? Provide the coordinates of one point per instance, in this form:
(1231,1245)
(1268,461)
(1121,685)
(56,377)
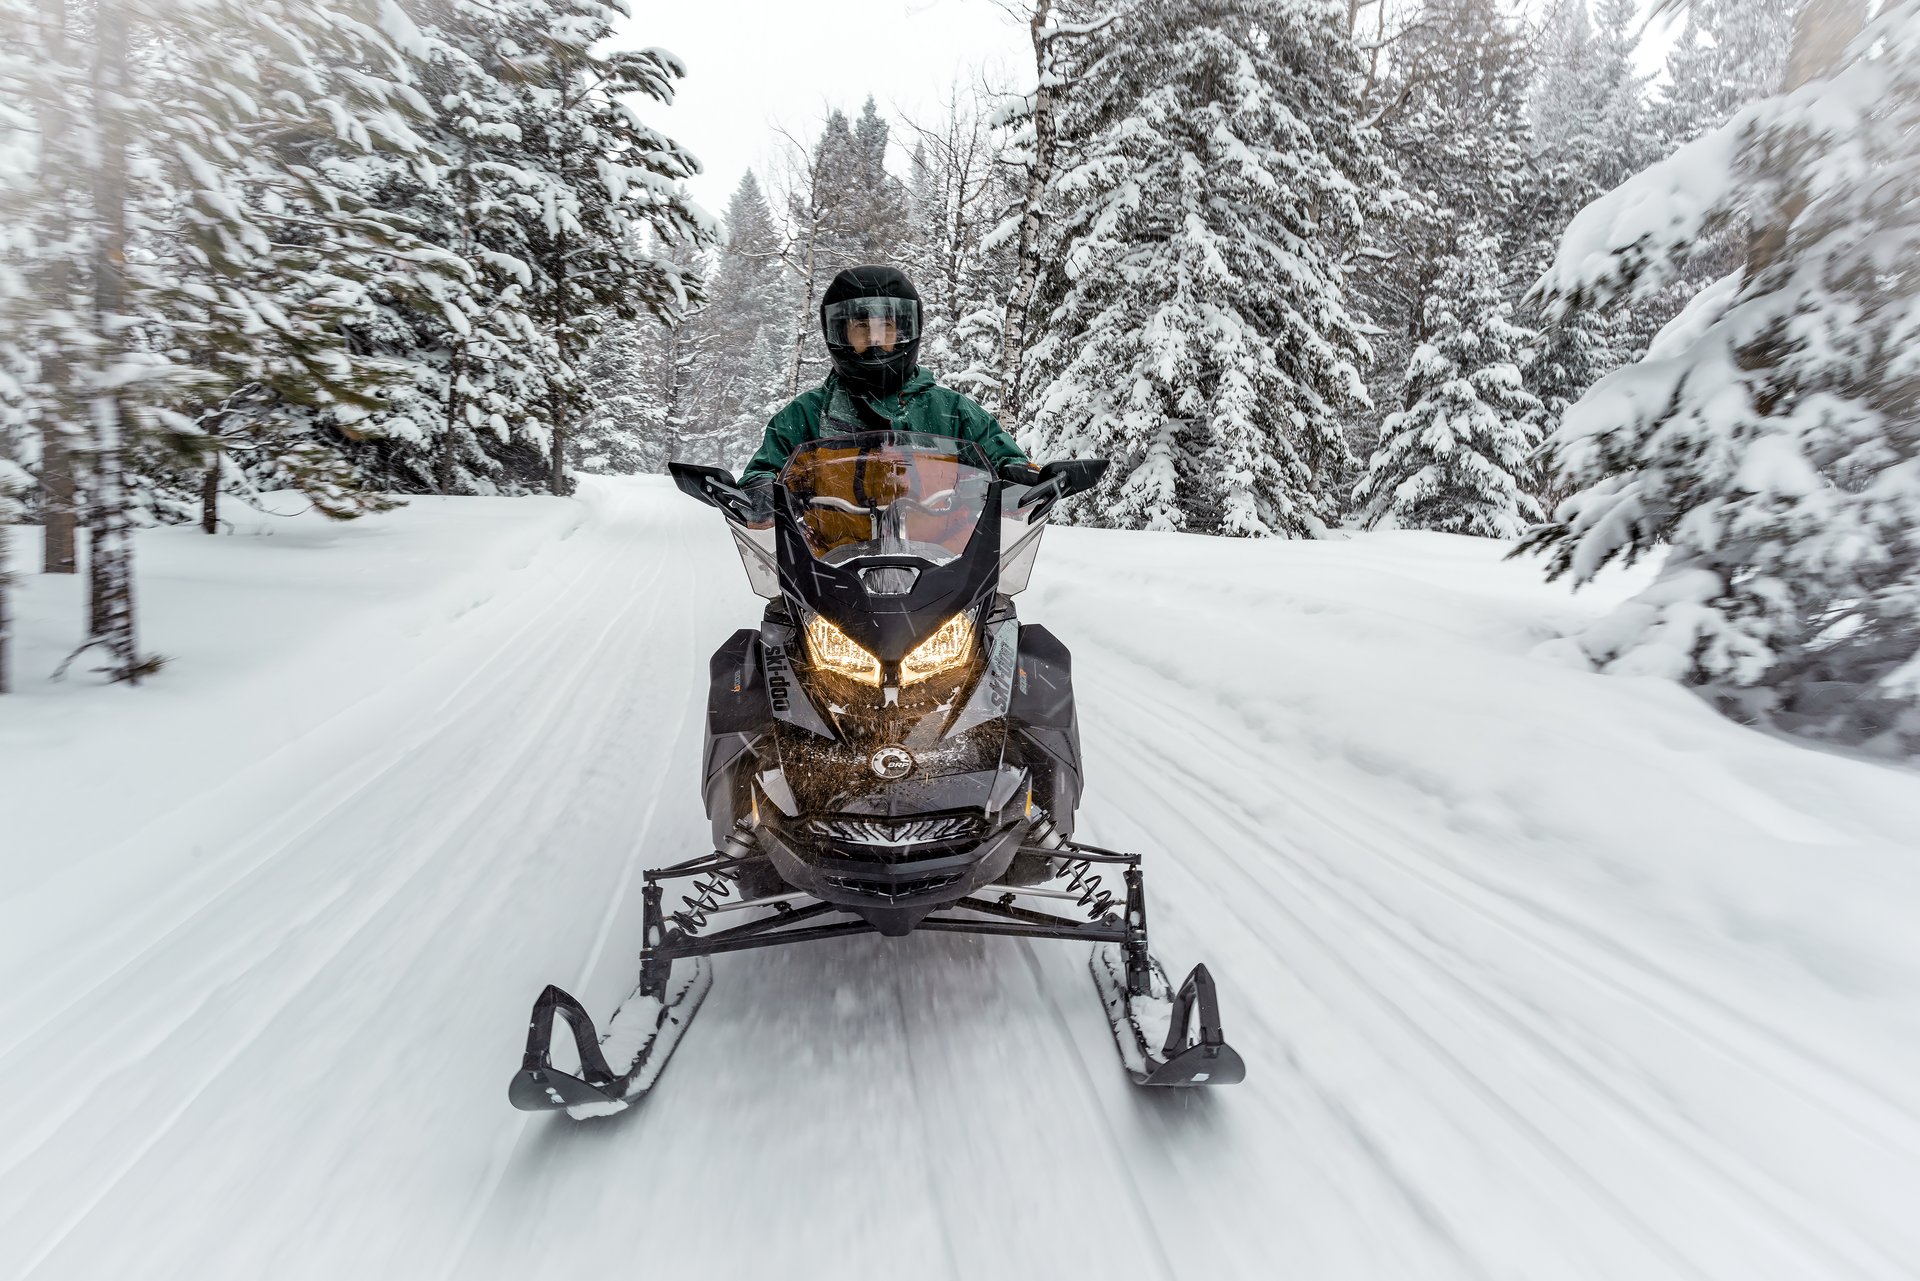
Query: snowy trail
(1484,1039)
(1528,1092)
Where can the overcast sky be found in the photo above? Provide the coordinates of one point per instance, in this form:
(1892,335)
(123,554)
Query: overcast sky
(756,64)
(753,65)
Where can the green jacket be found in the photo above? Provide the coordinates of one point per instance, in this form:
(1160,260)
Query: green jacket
(922,405)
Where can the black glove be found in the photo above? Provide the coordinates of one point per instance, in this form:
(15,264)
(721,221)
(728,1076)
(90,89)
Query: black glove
(1021,472)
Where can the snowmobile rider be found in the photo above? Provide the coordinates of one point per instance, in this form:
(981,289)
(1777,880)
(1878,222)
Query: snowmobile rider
(870,317)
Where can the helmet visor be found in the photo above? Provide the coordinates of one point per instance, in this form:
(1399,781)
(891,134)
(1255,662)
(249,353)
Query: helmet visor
(872,325)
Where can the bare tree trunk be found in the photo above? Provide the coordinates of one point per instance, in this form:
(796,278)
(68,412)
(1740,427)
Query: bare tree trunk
(96,592)
(556,393)
(6,589)
(60,506)
(6,611)
(443,456)
(443,459)
(557,469)
(7,511)
(1821,36)
(110,559)
(803,328)
(1013,335)
(557,407)
(210,497)
(60,510)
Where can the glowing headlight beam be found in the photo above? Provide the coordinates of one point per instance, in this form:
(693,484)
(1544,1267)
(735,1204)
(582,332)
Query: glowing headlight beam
(836,651)
(943,651)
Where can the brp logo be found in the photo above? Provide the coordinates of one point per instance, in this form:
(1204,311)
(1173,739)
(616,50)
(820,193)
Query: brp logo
(891,762)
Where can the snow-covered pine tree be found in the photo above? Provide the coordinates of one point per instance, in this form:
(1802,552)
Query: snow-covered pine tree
(261,116)
(877,210)
(43,240)
(1452,109)
(1212,166)
(1771,439)
(1460,457)
(476,356)
(747,323)
(1573,351)
(247,259)
(617,218)
(815,250)
(624,430)
(1454,117)
(1729,53)
(843,209)
(17,163)
(115,366)
(1058,32)
(705,384)
(13,482)
(1563,95)
(1594,126)
(765,369)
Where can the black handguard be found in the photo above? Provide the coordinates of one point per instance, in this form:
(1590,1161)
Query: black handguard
(760,496)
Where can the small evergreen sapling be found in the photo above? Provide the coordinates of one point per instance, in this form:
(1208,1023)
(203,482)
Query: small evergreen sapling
(1460,457)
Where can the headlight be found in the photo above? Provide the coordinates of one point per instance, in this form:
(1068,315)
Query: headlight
(943,651)
(834,650)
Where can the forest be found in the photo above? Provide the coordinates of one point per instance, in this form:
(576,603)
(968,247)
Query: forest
(1299,268)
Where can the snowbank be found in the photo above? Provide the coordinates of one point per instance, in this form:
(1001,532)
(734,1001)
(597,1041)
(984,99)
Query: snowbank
(269,631)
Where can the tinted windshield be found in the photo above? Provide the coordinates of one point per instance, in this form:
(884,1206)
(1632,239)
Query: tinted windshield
(887,494)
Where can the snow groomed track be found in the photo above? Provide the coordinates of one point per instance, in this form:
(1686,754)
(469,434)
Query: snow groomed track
(1537,974)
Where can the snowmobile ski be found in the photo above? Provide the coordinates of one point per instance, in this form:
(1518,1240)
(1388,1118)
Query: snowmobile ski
(642,1036)
(1151,1030)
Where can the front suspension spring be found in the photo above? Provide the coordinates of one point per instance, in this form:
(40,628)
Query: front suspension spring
(702,898)
(1095,898)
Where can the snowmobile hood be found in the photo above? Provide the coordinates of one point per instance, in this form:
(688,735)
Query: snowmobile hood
(889,600)
(891,626)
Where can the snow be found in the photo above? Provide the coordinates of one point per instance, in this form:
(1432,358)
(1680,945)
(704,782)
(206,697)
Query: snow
(1537,973)
(1634,232)
(352,607)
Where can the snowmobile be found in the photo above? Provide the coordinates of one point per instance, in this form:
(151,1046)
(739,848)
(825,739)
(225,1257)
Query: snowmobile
(891,750)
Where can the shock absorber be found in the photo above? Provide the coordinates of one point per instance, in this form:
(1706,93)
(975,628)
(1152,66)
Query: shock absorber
(707,892)
(1082,880)
(702,898)
(1042,834)
(740,843)
(1094,898)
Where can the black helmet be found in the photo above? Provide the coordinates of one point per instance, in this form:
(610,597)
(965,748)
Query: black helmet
(870,317)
